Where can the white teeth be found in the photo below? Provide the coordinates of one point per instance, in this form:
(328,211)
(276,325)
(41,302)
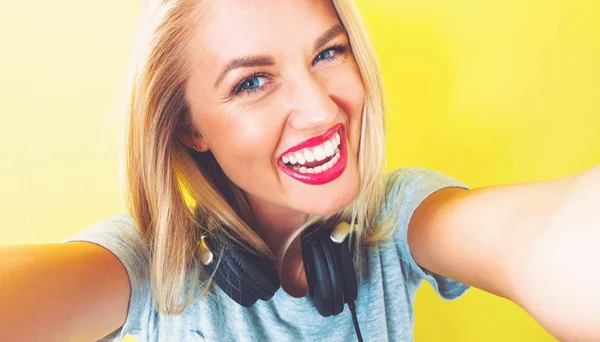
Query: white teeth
(309,156)
(300,158)
(319,153)
(318,169)
(328,148)
(329,164)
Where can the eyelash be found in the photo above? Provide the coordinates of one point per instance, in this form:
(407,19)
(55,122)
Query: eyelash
(338,49)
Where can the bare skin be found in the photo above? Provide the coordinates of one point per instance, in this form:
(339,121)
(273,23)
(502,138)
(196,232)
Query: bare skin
(532,243)
(308,86)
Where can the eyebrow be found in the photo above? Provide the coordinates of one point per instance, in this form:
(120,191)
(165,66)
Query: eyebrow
(328,36)
(264,60)
(245,62)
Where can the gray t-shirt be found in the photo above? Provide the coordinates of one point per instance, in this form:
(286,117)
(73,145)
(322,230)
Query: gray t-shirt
(385,297)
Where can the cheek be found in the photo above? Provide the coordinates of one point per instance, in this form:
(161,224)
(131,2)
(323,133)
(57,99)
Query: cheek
(346,88)
(348,91)
(240,144)
(244,145)
(356,91)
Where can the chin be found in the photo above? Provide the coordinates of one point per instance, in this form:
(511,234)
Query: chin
(328,209)
(330,200)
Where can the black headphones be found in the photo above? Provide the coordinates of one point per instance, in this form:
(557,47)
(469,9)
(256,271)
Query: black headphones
(247,277)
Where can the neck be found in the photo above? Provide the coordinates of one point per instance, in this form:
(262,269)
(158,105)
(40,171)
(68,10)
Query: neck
(275,226)
(275,223)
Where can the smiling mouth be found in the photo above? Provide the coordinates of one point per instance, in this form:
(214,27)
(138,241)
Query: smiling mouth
(318,160)
(315,159)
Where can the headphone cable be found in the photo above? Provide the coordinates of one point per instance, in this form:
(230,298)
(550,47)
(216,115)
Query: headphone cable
(355,320)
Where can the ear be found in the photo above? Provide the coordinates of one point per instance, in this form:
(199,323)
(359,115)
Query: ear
(189,135)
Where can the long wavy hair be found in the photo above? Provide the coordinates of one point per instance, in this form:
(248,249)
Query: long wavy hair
(175,194)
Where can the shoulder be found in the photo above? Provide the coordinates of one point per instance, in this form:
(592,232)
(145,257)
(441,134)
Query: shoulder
(405,190)
(120,235)
(416,180)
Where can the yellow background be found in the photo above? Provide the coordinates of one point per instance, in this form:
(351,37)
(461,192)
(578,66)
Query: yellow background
(489,92)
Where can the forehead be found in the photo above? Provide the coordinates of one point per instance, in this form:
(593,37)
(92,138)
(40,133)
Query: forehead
(245,27)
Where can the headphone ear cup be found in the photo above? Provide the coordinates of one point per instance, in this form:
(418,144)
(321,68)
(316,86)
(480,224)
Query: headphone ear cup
(345,257)
(323,273)
(244,276)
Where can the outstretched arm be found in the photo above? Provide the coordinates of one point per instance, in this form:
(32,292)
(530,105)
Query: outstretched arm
(537,244)
(75,291)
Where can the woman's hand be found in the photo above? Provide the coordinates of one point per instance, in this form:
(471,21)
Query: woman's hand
(559,283)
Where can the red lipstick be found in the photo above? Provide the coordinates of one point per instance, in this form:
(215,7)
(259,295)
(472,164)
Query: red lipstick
(308,172)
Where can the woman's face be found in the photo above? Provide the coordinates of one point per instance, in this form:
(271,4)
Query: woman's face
(278,98)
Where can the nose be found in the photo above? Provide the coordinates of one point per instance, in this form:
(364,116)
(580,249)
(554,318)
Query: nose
(311,105)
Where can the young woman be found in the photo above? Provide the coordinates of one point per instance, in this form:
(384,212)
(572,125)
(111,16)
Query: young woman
(255,130)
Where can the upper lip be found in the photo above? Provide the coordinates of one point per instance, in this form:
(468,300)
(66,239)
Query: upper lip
(314,141)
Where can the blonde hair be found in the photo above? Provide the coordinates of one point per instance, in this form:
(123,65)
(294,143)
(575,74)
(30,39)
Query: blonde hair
(175,195)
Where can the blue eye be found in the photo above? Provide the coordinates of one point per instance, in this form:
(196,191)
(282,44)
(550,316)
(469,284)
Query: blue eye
(325,55)
(249,85)
(252,83)
(331,53)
